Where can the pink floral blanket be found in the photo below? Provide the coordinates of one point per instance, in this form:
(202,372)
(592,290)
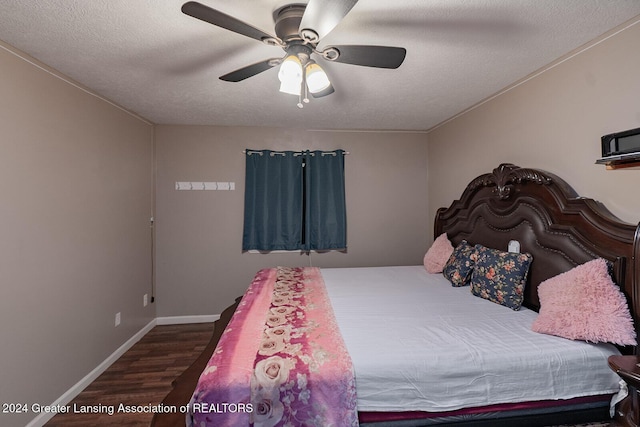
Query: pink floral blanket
(280,362)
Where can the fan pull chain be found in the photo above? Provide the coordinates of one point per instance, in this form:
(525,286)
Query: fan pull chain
(303,90)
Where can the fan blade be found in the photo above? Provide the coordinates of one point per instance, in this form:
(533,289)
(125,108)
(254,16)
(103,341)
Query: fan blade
(322,16)
(370,56)
(217,18)
(250,70)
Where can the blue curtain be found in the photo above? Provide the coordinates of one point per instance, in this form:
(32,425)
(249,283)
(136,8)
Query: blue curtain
(325,219)
(273,200)
(294,201)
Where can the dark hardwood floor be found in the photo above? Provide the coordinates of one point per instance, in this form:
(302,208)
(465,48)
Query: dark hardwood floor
(141,377)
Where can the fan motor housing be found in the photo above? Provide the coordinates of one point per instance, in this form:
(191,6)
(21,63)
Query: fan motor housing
(287,19)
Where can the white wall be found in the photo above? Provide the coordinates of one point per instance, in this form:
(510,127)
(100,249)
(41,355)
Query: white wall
(76,186)
(554,122)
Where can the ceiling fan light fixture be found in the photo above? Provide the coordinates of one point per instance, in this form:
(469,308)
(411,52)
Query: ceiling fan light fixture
(292,87)
(299,27)
(290,75)
(317,79)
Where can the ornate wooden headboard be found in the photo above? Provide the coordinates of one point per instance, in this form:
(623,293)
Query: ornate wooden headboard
(551,222)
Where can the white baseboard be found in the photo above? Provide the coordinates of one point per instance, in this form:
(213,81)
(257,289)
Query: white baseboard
(180,320)
(70,394)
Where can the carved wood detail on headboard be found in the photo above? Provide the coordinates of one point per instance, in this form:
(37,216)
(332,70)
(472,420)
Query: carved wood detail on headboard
(505,176)
(551,222)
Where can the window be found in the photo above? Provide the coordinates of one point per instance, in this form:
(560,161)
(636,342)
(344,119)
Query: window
(294,201)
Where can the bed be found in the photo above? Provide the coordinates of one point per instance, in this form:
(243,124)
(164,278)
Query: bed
(358,324)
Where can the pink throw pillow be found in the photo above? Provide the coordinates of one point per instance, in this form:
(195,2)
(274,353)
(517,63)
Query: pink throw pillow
(438,254)
(584,304)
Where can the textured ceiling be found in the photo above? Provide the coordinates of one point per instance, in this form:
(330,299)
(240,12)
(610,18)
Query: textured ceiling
(150,58)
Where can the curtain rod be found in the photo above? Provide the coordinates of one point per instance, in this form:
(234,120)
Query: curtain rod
(295,153)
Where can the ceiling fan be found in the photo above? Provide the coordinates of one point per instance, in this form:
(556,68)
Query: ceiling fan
(299,28)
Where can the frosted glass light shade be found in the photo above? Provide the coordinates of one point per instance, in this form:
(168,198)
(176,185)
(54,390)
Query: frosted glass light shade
(317,79)
(290,75)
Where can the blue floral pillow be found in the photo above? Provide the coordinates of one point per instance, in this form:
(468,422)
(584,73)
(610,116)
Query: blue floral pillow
(460,264)
(500,277)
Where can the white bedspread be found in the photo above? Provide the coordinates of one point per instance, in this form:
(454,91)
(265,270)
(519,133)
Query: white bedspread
(417,343)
